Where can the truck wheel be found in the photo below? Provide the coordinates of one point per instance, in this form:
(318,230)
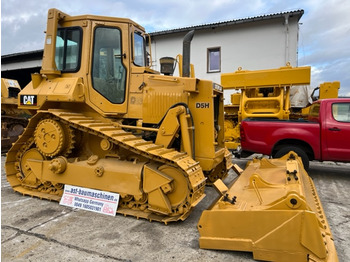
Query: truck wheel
(300,152)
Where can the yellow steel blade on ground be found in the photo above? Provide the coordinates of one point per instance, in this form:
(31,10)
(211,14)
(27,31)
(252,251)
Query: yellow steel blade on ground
(272,210)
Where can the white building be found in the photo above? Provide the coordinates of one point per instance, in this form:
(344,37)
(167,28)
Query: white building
(254,43)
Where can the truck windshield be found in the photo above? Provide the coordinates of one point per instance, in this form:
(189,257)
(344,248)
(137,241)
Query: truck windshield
(108,70)
(67,54)
(139,50)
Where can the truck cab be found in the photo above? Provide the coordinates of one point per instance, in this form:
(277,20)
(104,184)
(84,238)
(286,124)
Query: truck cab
(334,120)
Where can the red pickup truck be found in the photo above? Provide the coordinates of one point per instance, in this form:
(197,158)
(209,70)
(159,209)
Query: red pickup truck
(325,136)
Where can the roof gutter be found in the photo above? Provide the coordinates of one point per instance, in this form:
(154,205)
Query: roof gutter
(298,13)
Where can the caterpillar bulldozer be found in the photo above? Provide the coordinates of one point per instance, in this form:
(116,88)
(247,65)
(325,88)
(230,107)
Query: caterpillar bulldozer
(105,120)
(13,120)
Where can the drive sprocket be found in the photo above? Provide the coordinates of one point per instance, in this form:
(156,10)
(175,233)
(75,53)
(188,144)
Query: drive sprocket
(53,138)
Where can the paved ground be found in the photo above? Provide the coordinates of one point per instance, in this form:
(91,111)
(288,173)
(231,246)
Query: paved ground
(39,230)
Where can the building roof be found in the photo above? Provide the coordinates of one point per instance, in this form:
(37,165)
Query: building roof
(19,57)
(297,13)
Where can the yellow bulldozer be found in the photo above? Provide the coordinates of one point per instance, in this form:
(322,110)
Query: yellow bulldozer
(106,121)
(13,120)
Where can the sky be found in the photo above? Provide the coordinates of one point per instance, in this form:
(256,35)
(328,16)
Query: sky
(324,36)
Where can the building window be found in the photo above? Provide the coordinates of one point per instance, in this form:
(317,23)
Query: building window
(214,59)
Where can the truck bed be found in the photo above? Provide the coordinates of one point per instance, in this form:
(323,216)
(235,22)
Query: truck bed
(261,135)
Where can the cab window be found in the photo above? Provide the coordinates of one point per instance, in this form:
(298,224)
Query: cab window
(108,71)
(139,50)
(68,49)
(341,112)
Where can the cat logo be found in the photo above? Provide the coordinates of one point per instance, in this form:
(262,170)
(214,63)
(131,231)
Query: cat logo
(28,100)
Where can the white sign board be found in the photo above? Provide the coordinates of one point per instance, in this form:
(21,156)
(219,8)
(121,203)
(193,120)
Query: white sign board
(90,199)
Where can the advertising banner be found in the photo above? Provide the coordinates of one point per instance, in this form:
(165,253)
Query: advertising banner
(102,202)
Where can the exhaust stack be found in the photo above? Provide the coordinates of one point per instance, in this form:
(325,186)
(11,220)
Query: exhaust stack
(186,53)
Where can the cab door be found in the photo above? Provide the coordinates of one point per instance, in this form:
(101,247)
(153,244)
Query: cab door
(337,129)
(108,81)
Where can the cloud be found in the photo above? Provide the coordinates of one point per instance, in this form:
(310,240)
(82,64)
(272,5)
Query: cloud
(28,18)
(325,41)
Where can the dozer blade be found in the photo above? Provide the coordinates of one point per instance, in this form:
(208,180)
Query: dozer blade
(272,210)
